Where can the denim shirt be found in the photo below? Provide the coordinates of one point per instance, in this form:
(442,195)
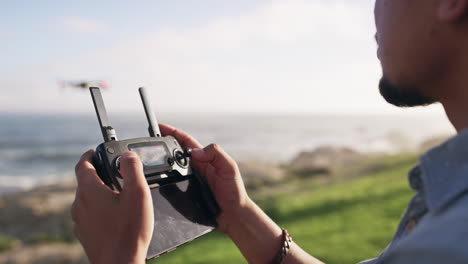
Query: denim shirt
(434,228)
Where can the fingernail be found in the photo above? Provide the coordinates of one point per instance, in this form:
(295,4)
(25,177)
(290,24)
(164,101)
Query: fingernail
(129,155)
(197,152)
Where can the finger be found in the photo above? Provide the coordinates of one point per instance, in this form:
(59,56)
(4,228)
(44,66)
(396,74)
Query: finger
(85,172)
(131,169)
(215,156)
(184,138)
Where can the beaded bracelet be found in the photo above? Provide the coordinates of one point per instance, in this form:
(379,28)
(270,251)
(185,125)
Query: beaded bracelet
(287,241)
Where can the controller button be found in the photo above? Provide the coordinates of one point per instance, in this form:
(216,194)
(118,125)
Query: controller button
(188,152)
(110,150)
(170,161)
(117,166)
(117,163)
(99,157)
(180,158)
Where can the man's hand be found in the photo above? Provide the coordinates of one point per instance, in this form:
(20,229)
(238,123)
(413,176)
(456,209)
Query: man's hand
(113,227)
(254,233)
(221,173)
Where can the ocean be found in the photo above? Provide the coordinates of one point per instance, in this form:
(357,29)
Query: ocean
(40,149)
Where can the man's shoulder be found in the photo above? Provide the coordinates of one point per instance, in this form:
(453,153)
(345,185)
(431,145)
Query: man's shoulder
(440,237)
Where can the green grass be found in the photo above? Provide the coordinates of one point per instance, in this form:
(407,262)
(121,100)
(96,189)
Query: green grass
(344,222)
(5,243)
(65,236)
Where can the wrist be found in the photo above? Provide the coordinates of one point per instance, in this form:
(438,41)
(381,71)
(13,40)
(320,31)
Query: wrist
(249,218)
(139,255)
(132,254)
(235,220)
(130,259)
(255,234)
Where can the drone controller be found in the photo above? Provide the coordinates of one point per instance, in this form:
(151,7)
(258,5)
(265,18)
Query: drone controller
(183,203)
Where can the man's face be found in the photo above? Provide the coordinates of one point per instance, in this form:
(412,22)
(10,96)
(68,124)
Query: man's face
(407,50)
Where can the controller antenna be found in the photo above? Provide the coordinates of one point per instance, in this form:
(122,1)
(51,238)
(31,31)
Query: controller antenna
(107,130)
(153,127)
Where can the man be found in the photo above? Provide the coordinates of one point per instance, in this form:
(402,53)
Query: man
(423,49)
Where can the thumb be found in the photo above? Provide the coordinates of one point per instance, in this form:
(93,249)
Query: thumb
(132,173)
(215,156)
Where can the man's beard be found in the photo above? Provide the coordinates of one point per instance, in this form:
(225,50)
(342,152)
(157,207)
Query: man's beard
(403,96)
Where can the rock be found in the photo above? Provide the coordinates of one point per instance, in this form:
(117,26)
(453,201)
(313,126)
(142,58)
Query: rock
(39,221)
(41,214)
(432,142)
(397,142)
(260,171)
(323,160)
(45,254)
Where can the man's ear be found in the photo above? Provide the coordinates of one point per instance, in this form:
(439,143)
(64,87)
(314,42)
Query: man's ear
(452,10)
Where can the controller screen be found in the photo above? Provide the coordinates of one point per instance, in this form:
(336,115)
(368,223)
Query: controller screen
(151,155)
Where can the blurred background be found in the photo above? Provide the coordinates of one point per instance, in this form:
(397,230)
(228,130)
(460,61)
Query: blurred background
(287,87)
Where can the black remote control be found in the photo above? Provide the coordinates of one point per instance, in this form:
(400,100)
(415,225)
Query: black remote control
(183,203)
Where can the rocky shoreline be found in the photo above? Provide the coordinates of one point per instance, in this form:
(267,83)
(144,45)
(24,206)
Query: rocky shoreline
(36,226)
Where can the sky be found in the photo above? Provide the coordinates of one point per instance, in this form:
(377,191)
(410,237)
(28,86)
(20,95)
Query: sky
(281,56)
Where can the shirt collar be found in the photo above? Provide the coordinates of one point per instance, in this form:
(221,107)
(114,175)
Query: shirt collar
(443,172)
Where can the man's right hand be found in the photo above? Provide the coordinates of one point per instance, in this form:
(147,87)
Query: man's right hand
(254,233)
(221,173)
